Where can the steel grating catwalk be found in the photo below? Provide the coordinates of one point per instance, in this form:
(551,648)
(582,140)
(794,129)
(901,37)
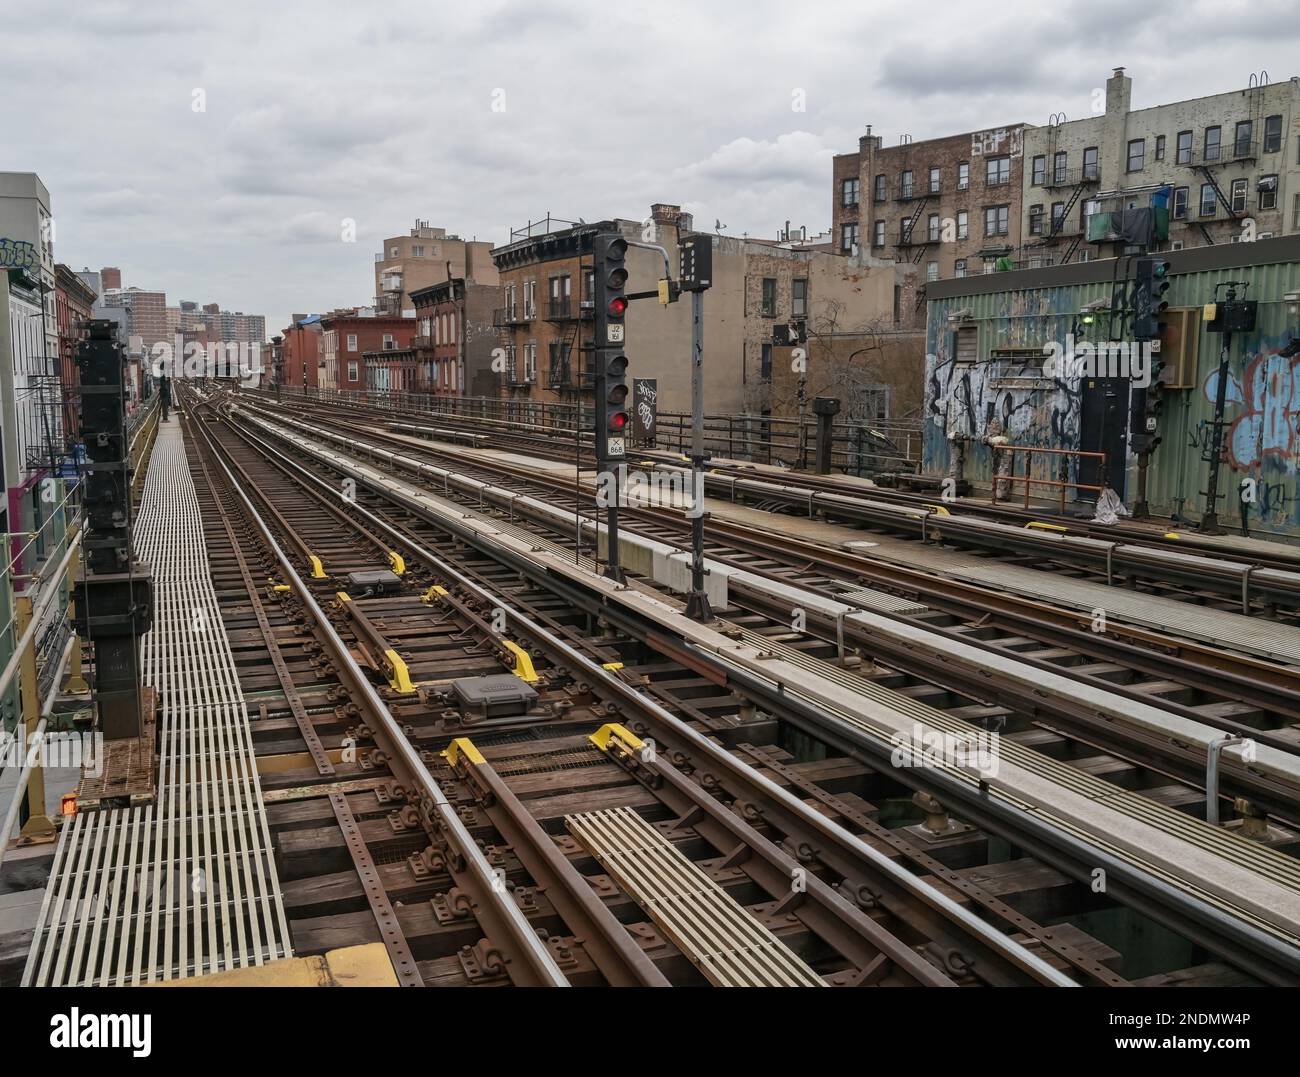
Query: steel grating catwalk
(728,945)
(185,886)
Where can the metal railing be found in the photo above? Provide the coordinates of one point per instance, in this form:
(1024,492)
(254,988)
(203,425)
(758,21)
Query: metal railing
(857,448)
(1006,484)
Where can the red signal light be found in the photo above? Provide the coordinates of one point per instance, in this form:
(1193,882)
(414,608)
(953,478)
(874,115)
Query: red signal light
(617,306)
(618,421)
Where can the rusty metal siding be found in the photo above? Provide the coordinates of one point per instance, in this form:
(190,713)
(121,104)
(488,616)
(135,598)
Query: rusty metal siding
(1262,428)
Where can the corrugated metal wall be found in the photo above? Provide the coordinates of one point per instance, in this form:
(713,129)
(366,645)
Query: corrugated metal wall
(1011,395)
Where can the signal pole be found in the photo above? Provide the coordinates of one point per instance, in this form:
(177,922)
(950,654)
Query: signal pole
(609,276)
(1149,287)
(1233,315)
(696,273)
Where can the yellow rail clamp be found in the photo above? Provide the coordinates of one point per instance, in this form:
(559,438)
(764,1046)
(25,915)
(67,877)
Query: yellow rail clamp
(939,509)
(343,596)
(523,663)
(400,681)
(317,570)
(618,735)
(612,666)
(463,746)
(1040,525)
(281,587)
(395,559)
(1172,535)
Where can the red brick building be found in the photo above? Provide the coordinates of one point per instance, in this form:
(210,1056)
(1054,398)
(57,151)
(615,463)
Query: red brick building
(350,334)
(301,353)
(73,299)
(456,338)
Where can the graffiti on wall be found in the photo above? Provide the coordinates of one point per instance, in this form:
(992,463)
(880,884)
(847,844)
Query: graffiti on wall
(1268,394)
(17,254)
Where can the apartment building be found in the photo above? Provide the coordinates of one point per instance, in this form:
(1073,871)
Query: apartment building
(424,257)
(300,352)
(146,314)
(760,287)
(1199,172)
(74,301)
(27,240)
(349,334)
(455,339)
(948,207)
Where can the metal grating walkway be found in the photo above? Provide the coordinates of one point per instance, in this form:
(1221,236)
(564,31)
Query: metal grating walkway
(728,945)
(185,886)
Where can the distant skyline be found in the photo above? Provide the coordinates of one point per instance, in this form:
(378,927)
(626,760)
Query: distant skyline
(215,151)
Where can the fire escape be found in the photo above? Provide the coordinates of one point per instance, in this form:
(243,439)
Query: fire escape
(1058,178)
(1241,151)
(563,378)
(906,244)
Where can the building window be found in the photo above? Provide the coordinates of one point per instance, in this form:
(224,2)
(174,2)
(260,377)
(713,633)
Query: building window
(1268,192)
(392,252)
(1183,150)
(880,188)
(1058,216)
(1209,203)
(848,238)
(589,284)
(878,234)
(1137,152)
(963,224)
(561,291)
(934,179)
(997,171)
(530,361)
(1090,169)
(1213,137)
(511,308)
(931,271)
(1272,134)
(1084,255)
(898,304)
(1036,220)
(352,370)
(799,298)
(1241,138)
(1160,148)
(417,252)
(352,342)
(849,192)
(1040,170)
(903,229)
(933,230)
(1180,203)
(1295,214)
(905,184)
(389,343)
(1238,196)
(959,268)
(769,297)
(995,220)
(963,176)
(1060,164)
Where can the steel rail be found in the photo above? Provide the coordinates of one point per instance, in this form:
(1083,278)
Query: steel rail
(434,801)
(1013,952)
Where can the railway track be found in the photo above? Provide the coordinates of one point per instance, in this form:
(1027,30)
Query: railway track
(674,684)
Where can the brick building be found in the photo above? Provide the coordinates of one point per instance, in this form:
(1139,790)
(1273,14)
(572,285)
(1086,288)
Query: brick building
(300,356)
(424,257)
(455,338)
(1217,169)
(758,286)
(146,314)
(945,207)
(73,301)
(349,334)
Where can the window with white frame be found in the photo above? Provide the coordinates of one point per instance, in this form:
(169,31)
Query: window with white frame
(352,371)
(963,224)
(352,342)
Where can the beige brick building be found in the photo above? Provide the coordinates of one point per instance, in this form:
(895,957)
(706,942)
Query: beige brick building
(405,264)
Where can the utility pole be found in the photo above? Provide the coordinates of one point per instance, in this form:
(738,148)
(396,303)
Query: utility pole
(1231,316)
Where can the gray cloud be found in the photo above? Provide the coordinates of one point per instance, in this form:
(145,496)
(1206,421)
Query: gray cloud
(319,112)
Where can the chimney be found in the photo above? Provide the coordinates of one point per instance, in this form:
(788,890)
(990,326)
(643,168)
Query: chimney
(1119,92)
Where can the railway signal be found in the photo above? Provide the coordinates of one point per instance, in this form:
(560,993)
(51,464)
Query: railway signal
(1148,307)
(609,279)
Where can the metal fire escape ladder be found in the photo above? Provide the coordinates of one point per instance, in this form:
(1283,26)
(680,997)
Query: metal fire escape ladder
(911,227)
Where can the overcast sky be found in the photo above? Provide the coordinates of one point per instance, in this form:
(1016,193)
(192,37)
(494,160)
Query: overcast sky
(381,113)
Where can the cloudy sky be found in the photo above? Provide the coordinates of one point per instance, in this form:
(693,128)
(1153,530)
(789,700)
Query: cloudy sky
(317,113)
